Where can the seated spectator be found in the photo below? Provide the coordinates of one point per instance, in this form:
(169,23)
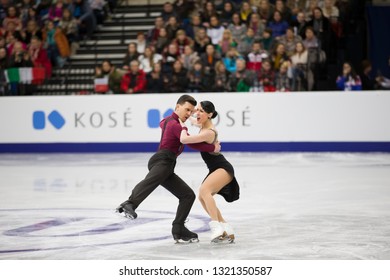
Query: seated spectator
(162,41)
(215,30)
(311,40)
(152,35)
(169,58)
(278,25)
(330,11)
(134,81)
(168,12)
(25,5)
(255,4)
(266,77)
(348,80)
(183,8)
(296,6)
(245,44)
(278,56)
(197,79)
(245,12)
(12,38)
(221,83)
(208,60)
(283,78)
(31,30)
(310,6)
(82,12)
(177,79)
(38,56)
(193,26)
(284,10)
(43,8)
(19,57)
(202,40)
(181,41)
(302,75)
(172,27)
(226,43)
(55,11)
(188,58)
(155,79)
(113,75)
(255,57)
(241,80)
(131,54)
(324,33)
(230,59)
(237,28)
(227,13)
(141,42)
(13,16)
(299,25)
(209,10)
(257,25)
(289,40)
(99,10)
(268,41)
(266,11)
(68,25)
(148,59)
(33,15)
(368,83)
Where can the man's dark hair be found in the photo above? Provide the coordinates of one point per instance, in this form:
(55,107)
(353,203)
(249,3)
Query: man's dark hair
(186,98)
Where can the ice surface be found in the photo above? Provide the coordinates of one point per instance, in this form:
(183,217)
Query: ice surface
(293,206)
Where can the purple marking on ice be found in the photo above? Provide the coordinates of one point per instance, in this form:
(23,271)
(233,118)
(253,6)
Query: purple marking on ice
(23,231)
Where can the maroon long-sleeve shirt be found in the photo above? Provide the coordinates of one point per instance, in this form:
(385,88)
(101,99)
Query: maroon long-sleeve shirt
(171,137)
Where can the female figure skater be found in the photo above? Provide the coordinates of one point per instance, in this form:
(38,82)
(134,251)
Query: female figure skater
(220,179)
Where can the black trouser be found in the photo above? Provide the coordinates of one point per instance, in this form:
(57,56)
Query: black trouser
(161,172)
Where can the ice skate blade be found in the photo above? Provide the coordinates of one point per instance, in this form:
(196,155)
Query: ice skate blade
(182,241)
(131,217)
(230,238)
(218,239)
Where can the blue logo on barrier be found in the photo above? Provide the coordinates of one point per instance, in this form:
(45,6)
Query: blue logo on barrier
(55,118)
(154,117)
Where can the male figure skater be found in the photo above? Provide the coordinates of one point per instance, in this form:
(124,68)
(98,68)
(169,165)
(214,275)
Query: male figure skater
(161,171)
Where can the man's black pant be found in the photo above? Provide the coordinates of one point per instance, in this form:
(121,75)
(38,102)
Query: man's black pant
(161,172)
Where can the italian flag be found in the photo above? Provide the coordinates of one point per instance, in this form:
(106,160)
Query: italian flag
(25,75)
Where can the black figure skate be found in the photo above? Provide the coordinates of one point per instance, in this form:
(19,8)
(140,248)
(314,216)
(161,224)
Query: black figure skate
(181,234)
(128,209)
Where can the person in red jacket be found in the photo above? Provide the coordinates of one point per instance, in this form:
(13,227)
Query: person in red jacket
(135,80)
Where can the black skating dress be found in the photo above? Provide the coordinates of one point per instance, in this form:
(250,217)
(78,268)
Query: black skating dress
(214,161)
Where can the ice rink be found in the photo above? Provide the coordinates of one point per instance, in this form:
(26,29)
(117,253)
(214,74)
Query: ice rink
(293,206)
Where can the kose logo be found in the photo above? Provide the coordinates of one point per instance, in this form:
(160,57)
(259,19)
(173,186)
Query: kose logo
(154,117)
(55,118)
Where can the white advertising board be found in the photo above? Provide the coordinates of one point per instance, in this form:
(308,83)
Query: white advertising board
(243,117)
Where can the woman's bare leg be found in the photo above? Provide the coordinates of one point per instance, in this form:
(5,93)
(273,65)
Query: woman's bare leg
(212,185)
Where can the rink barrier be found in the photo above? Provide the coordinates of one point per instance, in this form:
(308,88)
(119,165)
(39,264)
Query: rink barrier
(226,147)
(250,122)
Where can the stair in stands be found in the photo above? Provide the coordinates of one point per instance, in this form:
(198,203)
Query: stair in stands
(108,42)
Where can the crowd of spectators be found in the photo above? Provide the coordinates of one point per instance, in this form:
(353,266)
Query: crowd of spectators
(43,34)
(234,46)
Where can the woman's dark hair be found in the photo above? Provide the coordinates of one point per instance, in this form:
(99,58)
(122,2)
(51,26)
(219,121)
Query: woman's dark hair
(208,107)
